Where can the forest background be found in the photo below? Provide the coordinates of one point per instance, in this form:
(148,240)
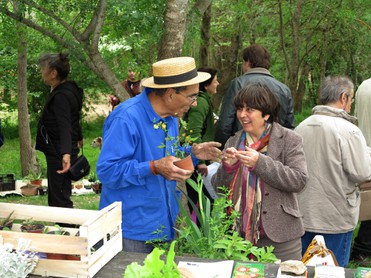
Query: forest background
(308,40)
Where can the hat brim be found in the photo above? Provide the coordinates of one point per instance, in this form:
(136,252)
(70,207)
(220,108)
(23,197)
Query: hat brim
(201,77)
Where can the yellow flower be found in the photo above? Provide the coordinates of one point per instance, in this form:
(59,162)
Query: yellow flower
(163,126)
(155,126)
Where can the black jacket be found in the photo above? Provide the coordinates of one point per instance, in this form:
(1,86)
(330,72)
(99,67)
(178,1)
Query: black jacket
(59,127)
(228,123)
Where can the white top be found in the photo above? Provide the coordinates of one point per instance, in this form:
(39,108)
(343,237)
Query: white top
(363,109)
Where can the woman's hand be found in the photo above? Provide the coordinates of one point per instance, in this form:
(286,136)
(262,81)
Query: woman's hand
(202,169)
(249,157)
(66,163)
(230,156)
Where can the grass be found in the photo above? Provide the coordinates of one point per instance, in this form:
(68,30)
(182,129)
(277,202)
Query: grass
(87,201)
(10,156)
(10,163)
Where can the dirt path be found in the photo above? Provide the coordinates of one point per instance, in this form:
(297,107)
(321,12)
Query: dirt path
(97,108)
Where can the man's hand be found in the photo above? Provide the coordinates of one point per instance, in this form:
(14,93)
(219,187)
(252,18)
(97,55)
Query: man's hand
(166,168)
(207,151)
(66,164)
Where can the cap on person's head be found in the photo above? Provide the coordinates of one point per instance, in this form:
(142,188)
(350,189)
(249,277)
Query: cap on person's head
(175,72)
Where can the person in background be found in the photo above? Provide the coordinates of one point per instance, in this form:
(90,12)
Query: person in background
(361,252)
(256,64)
(132,167)
(59,134)
(131,83)
(338,160)
(201,127)
(264,167)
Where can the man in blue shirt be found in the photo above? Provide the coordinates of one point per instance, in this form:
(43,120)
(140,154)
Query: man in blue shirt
(132,167)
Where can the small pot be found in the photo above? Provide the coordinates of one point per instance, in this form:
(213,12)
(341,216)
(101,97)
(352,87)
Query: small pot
(185,163)
(97,187)
(34,228)
(38,183)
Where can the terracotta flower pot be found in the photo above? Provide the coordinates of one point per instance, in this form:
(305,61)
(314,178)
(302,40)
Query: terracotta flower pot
(185,163)
(29,190)
(38,183)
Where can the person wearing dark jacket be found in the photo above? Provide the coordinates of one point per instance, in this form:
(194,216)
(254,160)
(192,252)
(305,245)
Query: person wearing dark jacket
(256,64)
(59,134)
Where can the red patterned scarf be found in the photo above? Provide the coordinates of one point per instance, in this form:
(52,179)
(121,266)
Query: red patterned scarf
(246,193)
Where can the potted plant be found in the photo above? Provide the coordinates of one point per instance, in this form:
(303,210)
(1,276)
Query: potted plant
(29,189)
(57,231)
(97,187)
(17,262)
(179,145)
(31,226)
(7,222)
(35,178)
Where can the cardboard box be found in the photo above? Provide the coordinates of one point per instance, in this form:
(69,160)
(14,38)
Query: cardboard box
(365,209)
(94,227)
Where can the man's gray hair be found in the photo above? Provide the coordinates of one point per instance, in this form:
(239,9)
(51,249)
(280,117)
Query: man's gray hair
(332,87)
(161,91)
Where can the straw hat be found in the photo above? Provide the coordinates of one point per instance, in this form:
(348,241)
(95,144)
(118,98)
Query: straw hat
(175,72)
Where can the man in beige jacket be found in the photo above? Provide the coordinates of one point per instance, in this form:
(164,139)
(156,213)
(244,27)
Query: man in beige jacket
(338,159)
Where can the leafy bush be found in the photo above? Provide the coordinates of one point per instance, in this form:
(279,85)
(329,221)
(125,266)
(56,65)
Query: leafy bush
(214,238)
(153,265)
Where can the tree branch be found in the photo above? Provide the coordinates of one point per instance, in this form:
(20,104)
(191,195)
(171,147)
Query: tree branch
(52,15)
(34,26)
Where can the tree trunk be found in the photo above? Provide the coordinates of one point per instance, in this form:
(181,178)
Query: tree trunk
(27,152)
(228,65)
(174,28)
(205,38)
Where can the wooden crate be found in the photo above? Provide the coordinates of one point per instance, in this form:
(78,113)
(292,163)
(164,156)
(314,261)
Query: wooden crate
(365,208)
(94,227)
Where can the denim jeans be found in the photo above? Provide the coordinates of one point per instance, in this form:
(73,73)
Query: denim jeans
(339,244)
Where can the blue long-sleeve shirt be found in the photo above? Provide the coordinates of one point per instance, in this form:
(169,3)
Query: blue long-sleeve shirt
(130,142)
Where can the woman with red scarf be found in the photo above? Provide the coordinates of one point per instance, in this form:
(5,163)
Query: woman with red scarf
(264,167)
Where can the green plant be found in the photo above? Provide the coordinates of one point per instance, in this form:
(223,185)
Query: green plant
(58,230)
(30,225)
(18,262)
(154,267)
(92,177)
(7,222)
(180,143)
(213,237)
(34,175)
